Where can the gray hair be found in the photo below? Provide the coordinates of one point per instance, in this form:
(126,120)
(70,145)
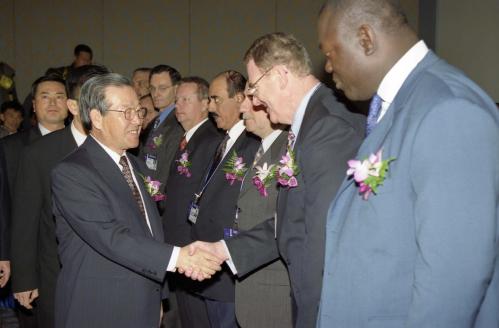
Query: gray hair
(280,48)
(93,95)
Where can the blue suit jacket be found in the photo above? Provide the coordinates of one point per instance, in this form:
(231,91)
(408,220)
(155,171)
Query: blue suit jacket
(423,251)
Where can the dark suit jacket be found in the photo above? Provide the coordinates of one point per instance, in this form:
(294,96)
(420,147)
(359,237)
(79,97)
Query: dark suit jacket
(217,208)
(13,146)
(171,132)
(265,290)
(180,189)
(35,262)
(112,267)
(4,210)
(329,136)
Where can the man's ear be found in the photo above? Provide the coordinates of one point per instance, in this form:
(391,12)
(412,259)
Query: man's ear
(282,72)
(73,107)
(239,97)
(367,39)
(96,119)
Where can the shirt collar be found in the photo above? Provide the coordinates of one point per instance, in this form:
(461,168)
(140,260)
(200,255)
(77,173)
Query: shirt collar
(393,80)
(269,140)
(114,155)
(192,130)
(77,135)
(165,113)
(300,112)
(235,131)
(43,130)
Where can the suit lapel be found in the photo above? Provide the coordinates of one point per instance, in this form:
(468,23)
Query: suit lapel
(113,177)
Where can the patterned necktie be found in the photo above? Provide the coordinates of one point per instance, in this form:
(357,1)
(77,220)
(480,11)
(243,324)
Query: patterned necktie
(183,143)
(258,155)
(156,123)
(291,139)
(127,174)
(219,154)
(374,110)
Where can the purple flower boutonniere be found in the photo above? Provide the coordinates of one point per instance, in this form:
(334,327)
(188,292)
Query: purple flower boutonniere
(156,141)
(264,176)
(288,171)
(370,173)
(234,168)
(152,187)
(184,164)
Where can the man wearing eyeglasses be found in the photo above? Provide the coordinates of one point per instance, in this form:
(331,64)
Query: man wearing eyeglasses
(111,248)
(34,247)
(161,144)
(324,136)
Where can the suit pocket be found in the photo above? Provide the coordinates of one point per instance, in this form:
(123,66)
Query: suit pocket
(396,321)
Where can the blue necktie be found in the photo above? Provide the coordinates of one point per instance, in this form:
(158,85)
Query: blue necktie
(374,110)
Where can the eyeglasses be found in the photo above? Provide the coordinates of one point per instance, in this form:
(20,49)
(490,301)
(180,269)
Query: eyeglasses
(160,88)
(131,112)
(252,89)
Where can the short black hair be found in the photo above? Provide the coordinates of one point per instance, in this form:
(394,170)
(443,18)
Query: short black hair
(47,78)
(16,106)
(79,75)
(174,74)
(142,69)
(83,48)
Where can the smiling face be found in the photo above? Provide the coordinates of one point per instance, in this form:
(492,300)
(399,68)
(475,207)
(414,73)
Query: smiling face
(112,128)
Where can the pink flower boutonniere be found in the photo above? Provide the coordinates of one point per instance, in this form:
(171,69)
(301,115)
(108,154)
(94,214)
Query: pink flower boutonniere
(184,164)
(264,176)
(152,187)
(288,171)
(156,141)
(370,173)
(235,168)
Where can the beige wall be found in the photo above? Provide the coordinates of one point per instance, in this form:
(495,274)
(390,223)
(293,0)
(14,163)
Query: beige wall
(201,37)
(468,37)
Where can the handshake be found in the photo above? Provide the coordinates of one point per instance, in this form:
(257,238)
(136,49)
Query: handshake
(200,260)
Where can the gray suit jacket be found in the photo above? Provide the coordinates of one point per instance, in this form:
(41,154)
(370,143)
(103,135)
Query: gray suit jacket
(423,251)
(264,291)
(113,268)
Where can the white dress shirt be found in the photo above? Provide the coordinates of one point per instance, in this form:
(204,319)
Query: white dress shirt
(396,76)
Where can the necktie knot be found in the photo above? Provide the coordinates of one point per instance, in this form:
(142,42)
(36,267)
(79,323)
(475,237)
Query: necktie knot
(374,111)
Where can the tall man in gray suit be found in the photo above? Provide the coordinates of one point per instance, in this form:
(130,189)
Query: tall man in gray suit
(110,235)
(265,290)
(420,249)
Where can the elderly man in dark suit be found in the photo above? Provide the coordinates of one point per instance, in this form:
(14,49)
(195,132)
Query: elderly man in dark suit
(111,247)
(322,137)
(34,248)
(193,156)
(412,236)
(164,136)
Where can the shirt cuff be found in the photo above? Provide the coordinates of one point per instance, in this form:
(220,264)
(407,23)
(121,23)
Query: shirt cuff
(173,259)
(229,262)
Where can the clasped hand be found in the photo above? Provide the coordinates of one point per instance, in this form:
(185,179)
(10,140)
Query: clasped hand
(199,260)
